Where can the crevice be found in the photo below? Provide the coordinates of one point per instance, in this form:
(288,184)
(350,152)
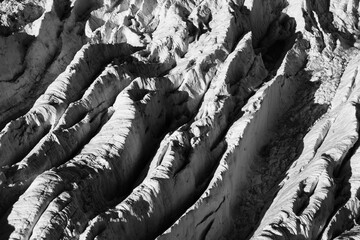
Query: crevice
(352,84)
(211,213)
(303,196)
(57,214)
(206,230)
(320,139)
(185,162)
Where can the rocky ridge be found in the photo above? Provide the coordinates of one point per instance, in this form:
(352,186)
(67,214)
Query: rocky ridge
(172,119)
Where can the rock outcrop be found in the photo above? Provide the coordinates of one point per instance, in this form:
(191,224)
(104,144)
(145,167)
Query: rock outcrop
(173,119)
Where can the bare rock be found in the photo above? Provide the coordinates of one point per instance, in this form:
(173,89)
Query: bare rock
(173,119)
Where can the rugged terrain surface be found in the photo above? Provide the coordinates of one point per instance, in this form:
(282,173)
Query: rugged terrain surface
(179,119)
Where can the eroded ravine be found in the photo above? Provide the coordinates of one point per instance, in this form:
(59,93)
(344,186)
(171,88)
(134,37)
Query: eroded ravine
(285,146)
(179,119)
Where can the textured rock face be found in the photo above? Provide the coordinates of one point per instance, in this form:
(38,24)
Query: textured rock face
(176,119)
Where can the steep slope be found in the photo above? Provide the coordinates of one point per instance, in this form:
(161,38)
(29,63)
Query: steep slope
(173,119)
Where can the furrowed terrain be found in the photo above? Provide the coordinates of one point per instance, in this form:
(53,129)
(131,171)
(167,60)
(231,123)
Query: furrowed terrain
(174,119)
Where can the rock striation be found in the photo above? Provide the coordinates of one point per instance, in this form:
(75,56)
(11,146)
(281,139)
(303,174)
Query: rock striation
(173,119)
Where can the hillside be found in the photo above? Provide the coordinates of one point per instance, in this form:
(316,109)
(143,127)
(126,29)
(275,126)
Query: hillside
(179,119)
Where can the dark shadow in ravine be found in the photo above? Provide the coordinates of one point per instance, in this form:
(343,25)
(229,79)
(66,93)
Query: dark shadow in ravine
(5,228)
(275,158)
